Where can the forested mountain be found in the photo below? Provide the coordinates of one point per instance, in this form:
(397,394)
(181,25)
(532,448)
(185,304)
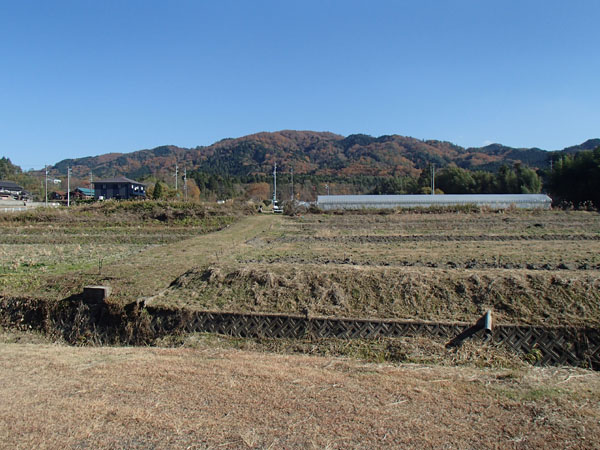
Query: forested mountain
(590,144)
(309,152)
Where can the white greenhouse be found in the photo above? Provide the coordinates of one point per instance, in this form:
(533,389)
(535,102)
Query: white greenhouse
(494,201)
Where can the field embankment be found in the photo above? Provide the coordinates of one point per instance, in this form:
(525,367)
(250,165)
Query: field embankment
(447,295)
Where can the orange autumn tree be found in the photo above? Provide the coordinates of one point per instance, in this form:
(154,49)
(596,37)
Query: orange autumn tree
(193,191)
(258,191)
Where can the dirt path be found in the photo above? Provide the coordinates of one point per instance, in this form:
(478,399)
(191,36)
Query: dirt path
(53,396)
(151,271)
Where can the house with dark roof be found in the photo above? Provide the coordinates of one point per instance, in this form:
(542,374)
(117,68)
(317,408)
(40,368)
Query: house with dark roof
(12,189)
(120,188)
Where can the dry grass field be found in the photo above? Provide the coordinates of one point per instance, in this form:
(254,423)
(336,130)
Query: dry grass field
(52,396)
(53,253)
(202,391)
(535,267)
(529,267)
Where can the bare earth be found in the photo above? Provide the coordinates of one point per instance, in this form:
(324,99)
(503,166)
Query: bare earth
(53,396)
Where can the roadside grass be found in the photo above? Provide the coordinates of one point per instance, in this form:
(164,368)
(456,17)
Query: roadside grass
(406,350)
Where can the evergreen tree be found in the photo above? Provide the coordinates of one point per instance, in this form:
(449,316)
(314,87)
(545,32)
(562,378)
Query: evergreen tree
(8,169)
(158,191)
(576,179)
(454,180)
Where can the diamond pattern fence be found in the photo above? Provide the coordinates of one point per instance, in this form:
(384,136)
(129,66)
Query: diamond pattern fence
(546,345)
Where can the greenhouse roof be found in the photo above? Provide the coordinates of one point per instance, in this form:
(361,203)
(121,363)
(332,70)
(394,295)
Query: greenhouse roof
(498,201)
(433,199)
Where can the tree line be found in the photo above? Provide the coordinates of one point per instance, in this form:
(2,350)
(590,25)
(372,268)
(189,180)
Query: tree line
(575,179)
(454,180)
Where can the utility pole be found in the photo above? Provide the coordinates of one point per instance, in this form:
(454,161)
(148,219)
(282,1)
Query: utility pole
(292,170)
(274,186)
(176,171)
(46,189)
(91,180)
(68,187)
(433,179)
(185,190)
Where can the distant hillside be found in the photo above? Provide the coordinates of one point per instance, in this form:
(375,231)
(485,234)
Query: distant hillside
(309,152)
(590,144)
(7,169)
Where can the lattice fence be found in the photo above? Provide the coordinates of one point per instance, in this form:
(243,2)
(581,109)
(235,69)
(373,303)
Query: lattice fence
(555,346)
(548,346)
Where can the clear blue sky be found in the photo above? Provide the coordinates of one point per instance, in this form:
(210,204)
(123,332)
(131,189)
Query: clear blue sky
(85,77)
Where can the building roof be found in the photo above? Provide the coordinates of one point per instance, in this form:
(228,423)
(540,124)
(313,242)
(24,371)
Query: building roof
(117,180)
(85,191)
(10,185)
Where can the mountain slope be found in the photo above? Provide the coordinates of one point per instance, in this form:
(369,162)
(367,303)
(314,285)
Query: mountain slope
(590,144)
(309,152)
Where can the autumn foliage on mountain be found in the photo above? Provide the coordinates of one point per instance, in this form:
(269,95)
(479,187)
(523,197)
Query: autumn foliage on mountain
(314,163)
(307,152)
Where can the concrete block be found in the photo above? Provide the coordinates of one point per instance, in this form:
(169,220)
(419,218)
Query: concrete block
(95,294)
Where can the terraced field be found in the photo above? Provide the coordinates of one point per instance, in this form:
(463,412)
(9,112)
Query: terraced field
(537,267)
(210,391)
(540,267)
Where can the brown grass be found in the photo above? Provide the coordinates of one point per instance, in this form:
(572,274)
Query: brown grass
(536,267)
(518,296)
(53,253)
(63,397)
(228,393)
(540,267)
